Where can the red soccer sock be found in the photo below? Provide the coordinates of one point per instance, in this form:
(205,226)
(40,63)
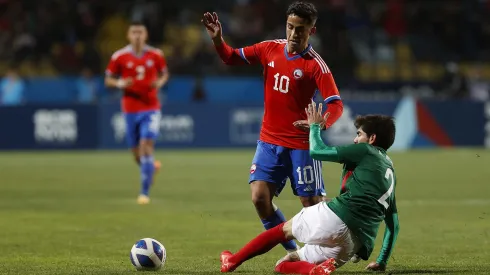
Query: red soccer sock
(300,267)
(260,244)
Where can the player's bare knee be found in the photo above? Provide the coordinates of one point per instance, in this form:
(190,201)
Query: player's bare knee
(310,201)
(288,229)
(146,147)
(261,201)
(263,205)
(261,194)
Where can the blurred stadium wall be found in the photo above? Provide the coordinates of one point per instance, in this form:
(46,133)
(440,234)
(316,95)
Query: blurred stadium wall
(425,62)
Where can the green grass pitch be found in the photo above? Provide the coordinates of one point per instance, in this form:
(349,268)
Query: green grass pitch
(76,212)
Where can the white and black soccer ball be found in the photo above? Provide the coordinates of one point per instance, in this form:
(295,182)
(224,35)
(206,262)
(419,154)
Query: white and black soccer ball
(148,254)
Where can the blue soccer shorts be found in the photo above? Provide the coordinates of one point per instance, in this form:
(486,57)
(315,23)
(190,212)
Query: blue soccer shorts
(142,125)
(275,164)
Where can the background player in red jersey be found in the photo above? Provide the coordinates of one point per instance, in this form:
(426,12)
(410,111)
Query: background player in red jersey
(140,71)
(293,71)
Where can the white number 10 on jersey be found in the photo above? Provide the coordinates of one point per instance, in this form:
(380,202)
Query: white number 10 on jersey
(281,83)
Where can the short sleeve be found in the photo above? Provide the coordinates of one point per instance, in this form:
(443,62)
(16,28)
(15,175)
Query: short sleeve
(353,153)
(325,81)
(113,68)
(254,54)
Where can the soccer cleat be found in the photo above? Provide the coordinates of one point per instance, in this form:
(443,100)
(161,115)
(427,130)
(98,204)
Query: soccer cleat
(325,268)
(226,265)
(143,199)
(355,259)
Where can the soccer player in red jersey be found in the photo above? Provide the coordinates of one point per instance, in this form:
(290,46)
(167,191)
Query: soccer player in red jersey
(345,228)
(140,71)
(293,71)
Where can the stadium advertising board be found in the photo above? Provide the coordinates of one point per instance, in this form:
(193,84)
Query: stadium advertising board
(420,124)
(48,127)
(181,126)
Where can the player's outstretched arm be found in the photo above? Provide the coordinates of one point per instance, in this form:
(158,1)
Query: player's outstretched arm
(389,240)
(113,82)
(330,93)
(334,108)
(113,69)
(228,55)
(162,80)
(162,67)
(318,149)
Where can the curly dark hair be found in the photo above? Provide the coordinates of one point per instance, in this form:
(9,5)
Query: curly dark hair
(380,125)
(303,10)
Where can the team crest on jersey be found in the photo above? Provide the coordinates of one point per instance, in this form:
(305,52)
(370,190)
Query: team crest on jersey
(298,74)
(149,62)
(253,168)
(130,65)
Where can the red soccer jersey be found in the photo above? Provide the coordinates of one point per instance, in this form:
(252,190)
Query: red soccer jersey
(289,86)
(144,70)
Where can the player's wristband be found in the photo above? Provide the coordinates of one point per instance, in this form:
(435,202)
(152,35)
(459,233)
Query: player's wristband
(120,83)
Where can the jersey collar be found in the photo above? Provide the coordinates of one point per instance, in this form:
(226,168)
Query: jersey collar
(296,56)
(145,49)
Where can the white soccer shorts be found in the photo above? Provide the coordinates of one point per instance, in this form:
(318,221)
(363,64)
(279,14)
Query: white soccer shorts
(324,234)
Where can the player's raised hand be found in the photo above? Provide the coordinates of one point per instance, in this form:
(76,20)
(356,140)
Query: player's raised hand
(315,115)
(212,24)
(302,125)
(375,267)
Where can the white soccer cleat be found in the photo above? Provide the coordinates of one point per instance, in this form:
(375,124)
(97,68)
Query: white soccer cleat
(143,199)
(355,259)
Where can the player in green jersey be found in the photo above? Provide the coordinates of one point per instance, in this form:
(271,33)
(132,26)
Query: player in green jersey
(344,228)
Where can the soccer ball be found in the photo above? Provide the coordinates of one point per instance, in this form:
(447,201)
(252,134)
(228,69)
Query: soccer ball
(148,254)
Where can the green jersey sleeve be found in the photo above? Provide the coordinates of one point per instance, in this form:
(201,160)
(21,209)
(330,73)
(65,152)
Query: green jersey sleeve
(342,154)
(353,153)
(318,149)
(390,236)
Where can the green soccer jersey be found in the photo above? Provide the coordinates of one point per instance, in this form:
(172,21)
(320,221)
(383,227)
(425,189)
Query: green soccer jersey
(367,194)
